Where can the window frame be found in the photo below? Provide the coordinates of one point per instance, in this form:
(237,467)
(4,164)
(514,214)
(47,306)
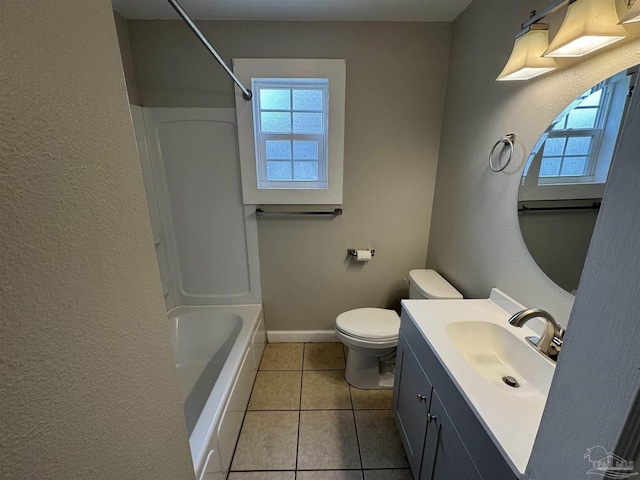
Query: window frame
(261,138)
(334,70)
(566,187)
(596,133)
(592,156)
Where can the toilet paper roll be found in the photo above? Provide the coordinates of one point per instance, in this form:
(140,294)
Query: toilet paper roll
(363,255)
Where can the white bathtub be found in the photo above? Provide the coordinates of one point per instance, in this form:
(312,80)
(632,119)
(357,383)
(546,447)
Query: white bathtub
(217,350)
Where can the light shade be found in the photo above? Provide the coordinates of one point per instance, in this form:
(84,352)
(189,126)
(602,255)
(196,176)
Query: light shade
(633,13)
(588,26)
(526,60)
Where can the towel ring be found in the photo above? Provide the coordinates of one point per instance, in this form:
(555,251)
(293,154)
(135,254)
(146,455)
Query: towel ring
(507,139)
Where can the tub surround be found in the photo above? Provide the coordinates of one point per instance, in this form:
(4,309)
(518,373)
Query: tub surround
(206,240)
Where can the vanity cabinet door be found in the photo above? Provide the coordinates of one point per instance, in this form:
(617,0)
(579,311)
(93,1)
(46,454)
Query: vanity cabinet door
(445,455)
(411,402)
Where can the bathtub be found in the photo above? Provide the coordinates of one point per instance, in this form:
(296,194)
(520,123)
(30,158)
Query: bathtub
(217,350)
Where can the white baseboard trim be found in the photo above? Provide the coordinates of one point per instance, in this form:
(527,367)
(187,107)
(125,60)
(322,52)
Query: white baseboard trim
(295,336)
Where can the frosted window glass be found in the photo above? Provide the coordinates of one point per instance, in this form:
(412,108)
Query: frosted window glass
(574,166)
(592,100)
(305,171)
(305,150)
(290,122)
(582,118)
(275,99)
(278,149)
(561,124)
(307,123)
(550,167)
(578,145)
(275,122)
(278,171)
(307,100)
(554,146)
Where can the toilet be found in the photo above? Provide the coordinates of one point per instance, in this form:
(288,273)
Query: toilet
(371,334)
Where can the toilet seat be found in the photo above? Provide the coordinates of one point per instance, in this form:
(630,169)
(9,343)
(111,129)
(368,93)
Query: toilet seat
(374,325)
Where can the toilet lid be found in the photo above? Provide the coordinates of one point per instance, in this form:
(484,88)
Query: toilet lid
(369,323)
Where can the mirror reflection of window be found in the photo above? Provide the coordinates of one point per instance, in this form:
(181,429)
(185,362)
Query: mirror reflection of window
(572,145)
(579,145)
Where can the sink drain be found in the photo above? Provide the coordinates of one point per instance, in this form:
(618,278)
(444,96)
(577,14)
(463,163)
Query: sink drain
(511,381)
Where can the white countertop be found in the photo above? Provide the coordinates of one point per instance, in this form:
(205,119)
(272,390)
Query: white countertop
(510,416)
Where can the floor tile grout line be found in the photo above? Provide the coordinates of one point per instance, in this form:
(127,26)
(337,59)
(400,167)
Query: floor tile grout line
(300,411)
(324,470)
(353,410)
(309,410)
(355,426)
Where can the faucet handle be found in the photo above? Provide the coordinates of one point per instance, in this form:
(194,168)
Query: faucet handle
(554,347)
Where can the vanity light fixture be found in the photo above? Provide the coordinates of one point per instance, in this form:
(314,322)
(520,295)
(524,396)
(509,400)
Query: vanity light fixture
(588,26)
(633,13)
(526,60)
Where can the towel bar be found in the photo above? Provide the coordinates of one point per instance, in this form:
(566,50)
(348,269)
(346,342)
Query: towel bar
(260,212)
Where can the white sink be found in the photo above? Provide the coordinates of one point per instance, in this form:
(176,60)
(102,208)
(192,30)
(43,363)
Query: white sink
(494,352)
(477,347)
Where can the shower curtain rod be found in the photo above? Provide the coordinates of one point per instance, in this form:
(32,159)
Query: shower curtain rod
(185,16)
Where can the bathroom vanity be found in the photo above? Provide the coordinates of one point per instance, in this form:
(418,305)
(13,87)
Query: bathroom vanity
(456,416)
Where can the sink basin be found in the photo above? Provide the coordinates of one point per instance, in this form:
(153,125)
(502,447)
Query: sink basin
(495,352)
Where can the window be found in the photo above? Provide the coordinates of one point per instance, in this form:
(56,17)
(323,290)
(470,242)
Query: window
(578,146)
(291,134)
(570,151)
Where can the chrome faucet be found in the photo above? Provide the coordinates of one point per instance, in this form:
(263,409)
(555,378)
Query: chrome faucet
(550,341)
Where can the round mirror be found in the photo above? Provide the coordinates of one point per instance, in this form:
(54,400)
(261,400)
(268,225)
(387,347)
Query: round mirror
(564,178)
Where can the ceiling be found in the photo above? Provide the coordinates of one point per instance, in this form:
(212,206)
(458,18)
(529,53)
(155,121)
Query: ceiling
(341,10)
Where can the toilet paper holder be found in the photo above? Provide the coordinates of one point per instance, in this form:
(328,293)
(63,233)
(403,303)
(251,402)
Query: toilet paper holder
(354,251)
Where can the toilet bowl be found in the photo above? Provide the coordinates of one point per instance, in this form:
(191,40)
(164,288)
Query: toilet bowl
(371,334)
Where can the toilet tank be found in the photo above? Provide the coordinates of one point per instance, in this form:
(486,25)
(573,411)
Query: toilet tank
(427,283)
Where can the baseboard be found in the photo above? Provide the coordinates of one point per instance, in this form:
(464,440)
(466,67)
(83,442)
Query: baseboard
(295,336)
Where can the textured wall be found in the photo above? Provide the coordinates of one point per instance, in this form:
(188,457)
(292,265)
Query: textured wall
(396,74)
(88,384)
(475,238)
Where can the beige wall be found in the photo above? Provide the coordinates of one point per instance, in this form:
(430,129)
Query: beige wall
(88,384)
(125,54)
(475,238)
(396,75)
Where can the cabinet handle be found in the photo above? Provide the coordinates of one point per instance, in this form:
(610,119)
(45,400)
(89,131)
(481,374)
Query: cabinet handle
(430,417)
(421,398)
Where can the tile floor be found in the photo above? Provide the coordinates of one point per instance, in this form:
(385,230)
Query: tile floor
(305,422)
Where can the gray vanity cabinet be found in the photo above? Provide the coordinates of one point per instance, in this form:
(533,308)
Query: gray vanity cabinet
(442,437)
(411,403)
(445,455)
